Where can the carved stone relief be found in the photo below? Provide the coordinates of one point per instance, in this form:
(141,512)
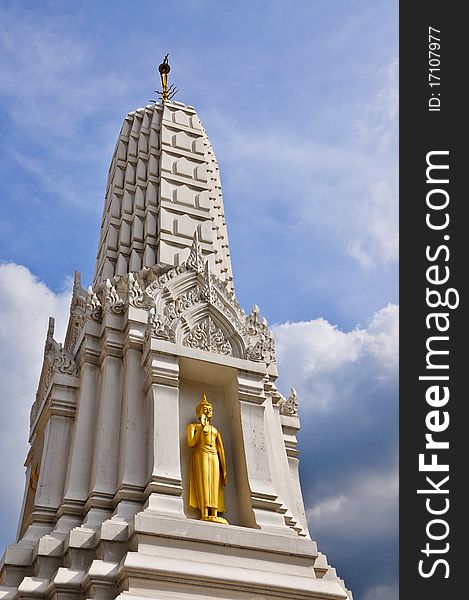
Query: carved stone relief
(206,335)
(172,295)
(289,407)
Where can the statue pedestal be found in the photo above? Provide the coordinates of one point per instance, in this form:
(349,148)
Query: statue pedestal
(188,559)
(220,520)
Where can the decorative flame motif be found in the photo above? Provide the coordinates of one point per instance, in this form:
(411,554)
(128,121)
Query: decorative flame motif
(290,407)
(207,336)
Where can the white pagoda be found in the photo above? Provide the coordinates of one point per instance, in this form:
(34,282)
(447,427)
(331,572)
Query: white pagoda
(106,511)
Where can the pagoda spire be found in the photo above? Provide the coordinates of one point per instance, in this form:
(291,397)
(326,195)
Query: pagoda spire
(163,188)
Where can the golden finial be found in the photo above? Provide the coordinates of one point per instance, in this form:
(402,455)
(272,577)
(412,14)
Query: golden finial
(167,93)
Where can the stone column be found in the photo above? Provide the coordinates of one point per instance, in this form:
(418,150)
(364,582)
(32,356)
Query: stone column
(106,443)
(103,447)
(132,451)
(290,427)
(60,410)
(164,487)
(78,476)
(264,497)
(132,448)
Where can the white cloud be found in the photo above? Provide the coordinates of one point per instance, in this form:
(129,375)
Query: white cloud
(355,250)
(380,124)
(343,184)
(53,86)
(376,221)
(372,494)
(354,27)
(51,78)
(383,332)
(383,592)
(311,353)
(347,387)
(375,236)
(25,306)
(347,190)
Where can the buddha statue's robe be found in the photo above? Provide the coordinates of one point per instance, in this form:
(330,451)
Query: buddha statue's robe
(207,464)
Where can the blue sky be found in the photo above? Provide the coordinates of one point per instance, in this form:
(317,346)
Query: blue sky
(300,103)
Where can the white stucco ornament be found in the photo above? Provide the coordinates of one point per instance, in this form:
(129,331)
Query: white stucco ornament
(290,407)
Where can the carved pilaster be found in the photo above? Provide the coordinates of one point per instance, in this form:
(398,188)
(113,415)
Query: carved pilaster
(264,497)
(106,439)
(162,395)
(134,423)
(53,468)
(290,424)
(81,451)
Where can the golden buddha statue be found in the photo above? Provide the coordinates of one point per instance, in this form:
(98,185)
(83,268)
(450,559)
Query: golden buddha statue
(208,465)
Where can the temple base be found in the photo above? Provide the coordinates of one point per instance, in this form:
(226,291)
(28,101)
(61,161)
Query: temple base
(190,559)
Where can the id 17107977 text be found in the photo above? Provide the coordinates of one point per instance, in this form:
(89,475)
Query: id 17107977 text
(434,102)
